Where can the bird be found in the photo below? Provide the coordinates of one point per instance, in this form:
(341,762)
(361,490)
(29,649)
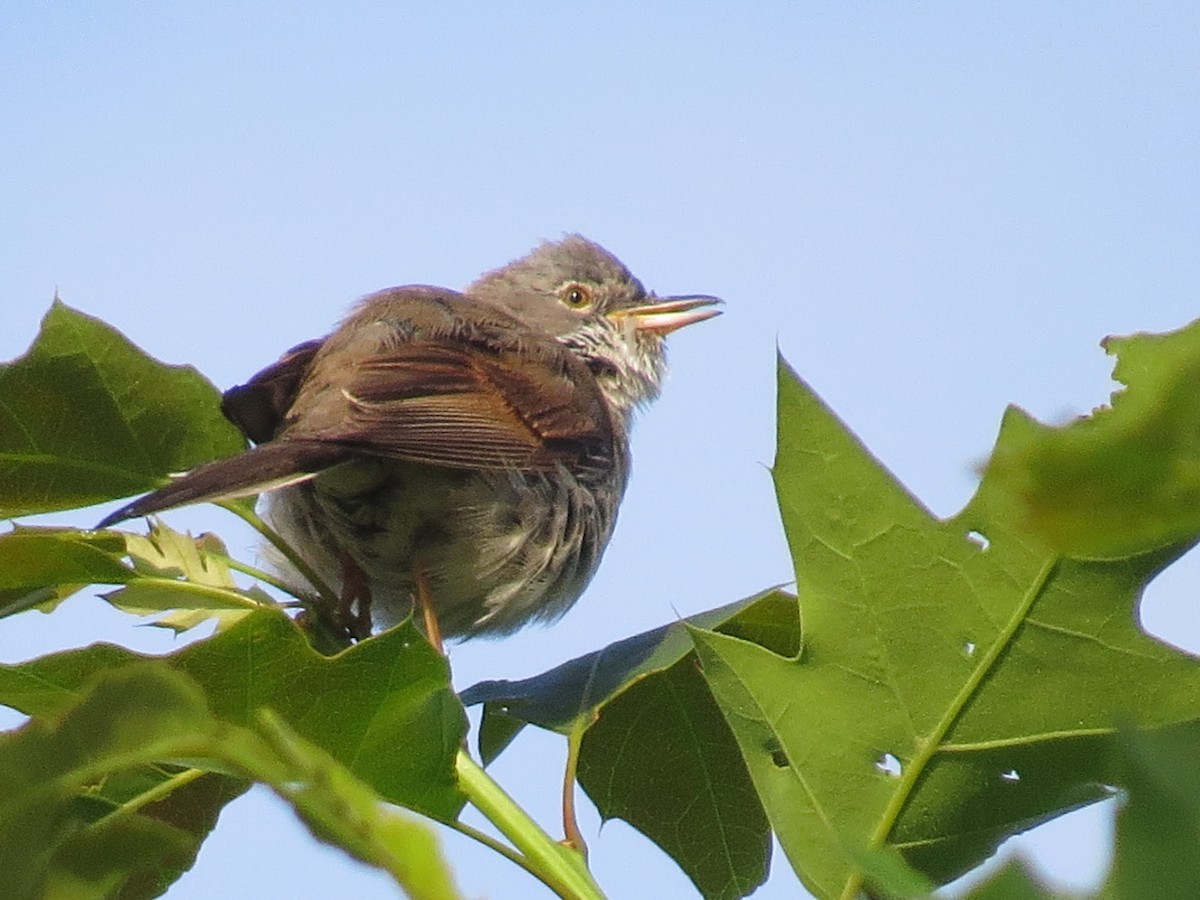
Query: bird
(460,454)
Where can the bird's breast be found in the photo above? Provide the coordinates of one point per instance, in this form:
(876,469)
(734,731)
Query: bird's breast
(499,548)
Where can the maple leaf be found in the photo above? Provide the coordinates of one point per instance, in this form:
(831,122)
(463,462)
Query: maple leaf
(958,682)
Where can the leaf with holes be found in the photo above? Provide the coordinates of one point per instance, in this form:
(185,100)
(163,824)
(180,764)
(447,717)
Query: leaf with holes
(957,683)
(1154,845)
(1125,479)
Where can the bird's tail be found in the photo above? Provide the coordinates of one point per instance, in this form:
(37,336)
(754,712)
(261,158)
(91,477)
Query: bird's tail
(261,469)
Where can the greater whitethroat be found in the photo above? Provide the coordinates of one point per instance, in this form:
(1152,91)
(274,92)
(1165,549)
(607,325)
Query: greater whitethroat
(462,452)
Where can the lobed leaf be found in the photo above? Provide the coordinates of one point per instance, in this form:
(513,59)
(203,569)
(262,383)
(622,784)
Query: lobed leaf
(85,416)
(163,571)
(958,683)
(187,578)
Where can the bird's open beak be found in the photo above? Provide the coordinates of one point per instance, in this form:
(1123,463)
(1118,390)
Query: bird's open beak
(668,314)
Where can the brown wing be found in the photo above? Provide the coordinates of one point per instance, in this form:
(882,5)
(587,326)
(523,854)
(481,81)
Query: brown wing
(259,406)
(484,394)
(419,374)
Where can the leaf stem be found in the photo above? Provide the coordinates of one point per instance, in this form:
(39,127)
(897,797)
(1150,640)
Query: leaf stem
(162,789)
(247,514)
(257,574)
(493,844)
(571,832)
(560,868)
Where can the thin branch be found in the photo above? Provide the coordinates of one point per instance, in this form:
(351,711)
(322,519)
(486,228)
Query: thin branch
(560,868)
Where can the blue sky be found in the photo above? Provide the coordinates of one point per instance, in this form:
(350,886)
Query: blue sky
(932,209)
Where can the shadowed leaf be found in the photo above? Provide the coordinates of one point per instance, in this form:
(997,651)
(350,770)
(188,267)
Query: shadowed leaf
(1158,828)
(384,707)
(131,721)
(656,751)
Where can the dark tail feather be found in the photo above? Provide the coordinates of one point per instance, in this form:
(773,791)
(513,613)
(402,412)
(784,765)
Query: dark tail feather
(265,467)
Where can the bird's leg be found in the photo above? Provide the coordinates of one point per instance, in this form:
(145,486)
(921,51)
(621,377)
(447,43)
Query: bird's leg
(354,608)
(423,600)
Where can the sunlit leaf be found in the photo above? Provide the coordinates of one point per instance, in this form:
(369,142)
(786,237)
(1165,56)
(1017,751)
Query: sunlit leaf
(85,416)
(163,572)
(958,683)
(187,578)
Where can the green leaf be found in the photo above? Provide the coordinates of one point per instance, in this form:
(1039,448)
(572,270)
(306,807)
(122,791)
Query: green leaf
(1157,836)
(957,684)
(890,877)
(341,810)
(1125,479)
(85,417)
(383,708)
(1158,827)
(662,758)
(1013,882)
(122,816)
(53,842)
(142,716)
(166,571)
(39,557)
(41,567)
(188,575)
(580,688)
(655,740)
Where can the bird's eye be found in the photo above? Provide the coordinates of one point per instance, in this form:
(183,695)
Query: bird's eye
(576,296)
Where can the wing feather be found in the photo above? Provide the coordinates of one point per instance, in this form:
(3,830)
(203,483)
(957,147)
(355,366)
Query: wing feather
(490,400)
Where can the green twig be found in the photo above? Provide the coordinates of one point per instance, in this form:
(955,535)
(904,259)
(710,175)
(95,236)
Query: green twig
(259,575)
(493,844)
(560,868)
(255,521)
(162,789)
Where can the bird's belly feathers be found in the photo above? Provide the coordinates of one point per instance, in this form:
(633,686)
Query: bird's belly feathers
(498,548)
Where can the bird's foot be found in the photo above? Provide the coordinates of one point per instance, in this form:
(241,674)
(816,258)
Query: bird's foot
(353,612)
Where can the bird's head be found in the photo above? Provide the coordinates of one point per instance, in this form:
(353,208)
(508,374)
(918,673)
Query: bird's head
(587,299)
